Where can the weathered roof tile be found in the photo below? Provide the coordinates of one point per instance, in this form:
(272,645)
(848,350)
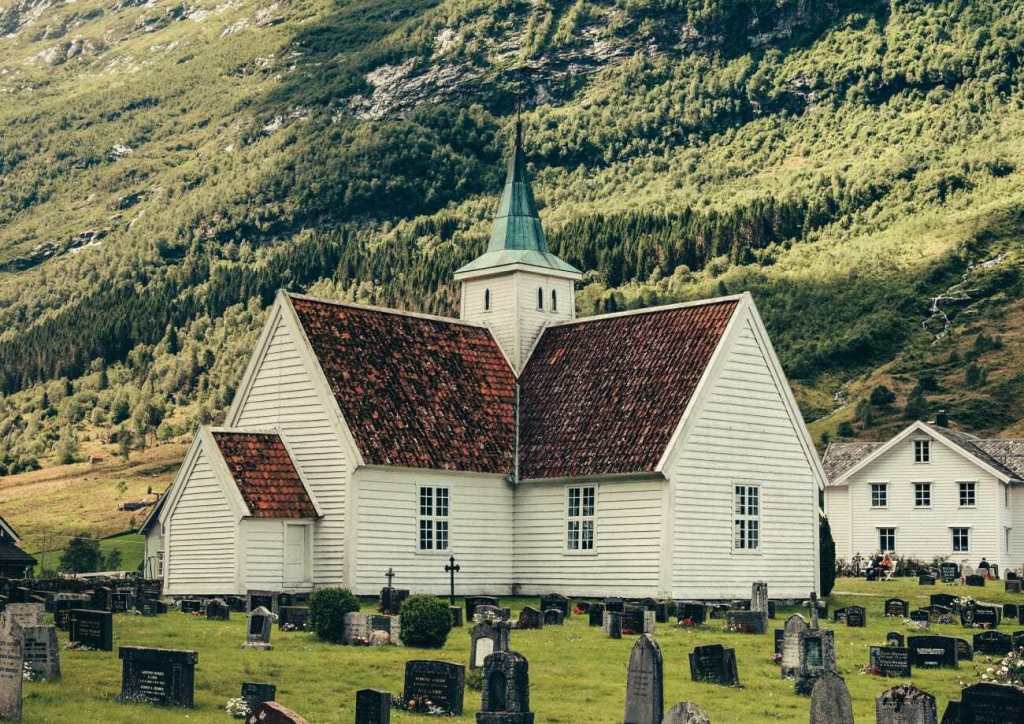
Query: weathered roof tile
(265,474)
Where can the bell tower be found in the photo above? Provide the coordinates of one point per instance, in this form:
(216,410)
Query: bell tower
(517,287)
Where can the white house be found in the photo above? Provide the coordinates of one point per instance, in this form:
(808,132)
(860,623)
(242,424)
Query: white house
(656,452)
(928,492)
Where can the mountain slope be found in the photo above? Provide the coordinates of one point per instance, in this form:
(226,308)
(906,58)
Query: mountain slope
(166,166)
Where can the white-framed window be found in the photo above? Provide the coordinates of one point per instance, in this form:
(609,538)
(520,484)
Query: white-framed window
(887,540)
(961,540)
(159,564)
(1006,496)
(580,508)
(487,300)
(748,518)
(879,495)
(922,451)
(540,298)
(922,495)
(433,519)
(1006,539)
(967,494)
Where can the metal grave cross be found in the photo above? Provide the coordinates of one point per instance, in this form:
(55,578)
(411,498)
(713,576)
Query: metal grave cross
(389,575)
(451,569)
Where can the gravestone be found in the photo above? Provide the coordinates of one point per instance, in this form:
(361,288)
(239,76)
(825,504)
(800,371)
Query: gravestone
(614,626)
(1012,585)
(645,683)
(24,614)
(795,627)
(188,605)
(121,601)
(491,613)
(552,617)
(12,671)
(633,620)
(986,616)
(932,651)
(905,704)
(993,643)
(294,618)
(265,599)
(391,600)
(1018,639)
(485,639)
(530,618)
(42,656)
(856,616)
(150,606)
(613,603)
(92,629)
(890,660)
(595,616)
(750,622)
(101,598)
(157,676)
(830,700)
(946,600)
(373,706)
(472,602)
(925,580)
(505,692)
(270,712)
(217,610)
(921,615)
(62,605)
(817,656)
(686,712)
(990,704)
(780,638)
(964,652)
(839,615)
(439,682)
(897,607)
(258,631)
(691,611)
(555,600)
(894,638)
(456,612)
(661,612)
(256,693)
(974,580)
(583,606)
(1011,611)
(714,664)
(949,571)
(759,597)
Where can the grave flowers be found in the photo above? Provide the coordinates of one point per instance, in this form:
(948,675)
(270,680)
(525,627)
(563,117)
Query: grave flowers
(915,625)
(238,708)
(1009,670)
(421,705)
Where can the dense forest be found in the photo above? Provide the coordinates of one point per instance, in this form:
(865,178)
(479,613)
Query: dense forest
(166,166)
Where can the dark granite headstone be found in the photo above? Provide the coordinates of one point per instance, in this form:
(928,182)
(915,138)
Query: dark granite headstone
(373,706)
(555,600)
(921,615)
(266,599)
(905,704)
(839,615)
(595,616)
(505,690)
(553,617)
(614,603)
(258,630)
(1018,639)
(1012,585)
(294,618)
(890,660)
(645,683)
(1011,611)
(694,612)
(633,620)
(975,580)
(472,602)
(751,622)
(94,629)
(391,600)
(926,580)
(485,639)
(856,616)
(256,693)
(830,700)
(121,601)
(894,638)
(456,612)
(41,652)
(991,704)
(932,651)
(217,610)
(964,652)
(189,605)
(614,624)
(986,616)
(949,571)
(897,607)
(714,664)
(439,682)
(158,676)
(993,643)
(150,606)
(530,618)
(946,600)
(780,638)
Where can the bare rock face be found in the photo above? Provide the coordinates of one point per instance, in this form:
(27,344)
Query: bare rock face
(20,14)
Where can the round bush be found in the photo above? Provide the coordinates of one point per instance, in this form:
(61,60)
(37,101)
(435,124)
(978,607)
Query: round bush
(327,609)
(426,621)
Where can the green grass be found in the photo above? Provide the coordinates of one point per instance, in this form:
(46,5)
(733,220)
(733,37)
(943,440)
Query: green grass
(131,545)
(577,674)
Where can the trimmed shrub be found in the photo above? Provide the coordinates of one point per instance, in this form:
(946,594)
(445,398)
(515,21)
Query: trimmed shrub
(327,609)
(826,556)
(426,621)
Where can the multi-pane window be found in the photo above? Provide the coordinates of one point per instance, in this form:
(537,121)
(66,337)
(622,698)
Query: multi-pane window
(433,519)
(922,451)
(879,495)
(967,494)
(922,495)
(748,517)
(580,518)
(961,540)
(887,539)
(159,564)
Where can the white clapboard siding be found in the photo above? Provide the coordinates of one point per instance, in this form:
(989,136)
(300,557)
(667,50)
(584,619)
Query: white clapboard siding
(837,508)
(501,317)
(627,548)
(201,536)
(1016,556)
(154,543)
(743,433)
(263,554)
(924,533)
(479,532)
(282,395)
(532,319)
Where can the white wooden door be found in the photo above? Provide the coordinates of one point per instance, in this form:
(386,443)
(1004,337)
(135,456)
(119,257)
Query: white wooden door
(295,553)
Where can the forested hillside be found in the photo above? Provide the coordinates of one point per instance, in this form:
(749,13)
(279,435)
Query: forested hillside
(166,165)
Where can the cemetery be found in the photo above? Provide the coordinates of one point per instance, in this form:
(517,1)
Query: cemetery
(508,662)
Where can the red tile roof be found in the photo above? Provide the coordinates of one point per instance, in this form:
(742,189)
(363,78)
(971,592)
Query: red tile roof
(604,396)
(265,474)
(416,391)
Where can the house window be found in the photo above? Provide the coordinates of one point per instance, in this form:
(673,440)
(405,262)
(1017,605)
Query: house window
(1006,496)
(879,495)
(487,300)
(922,451)
(1006,539)
(159,564)
(433,519)
(887,540)
(922,495)
(554,300)
(961,540)
(540,297)
(580,518)
(748,517)
(967,498)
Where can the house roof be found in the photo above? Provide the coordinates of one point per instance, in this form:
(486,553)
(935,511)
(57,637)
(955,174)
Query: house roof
(841,456)
(10,553)
(9,529)
(265,474)
(604,395)
(154,512)
(416,391)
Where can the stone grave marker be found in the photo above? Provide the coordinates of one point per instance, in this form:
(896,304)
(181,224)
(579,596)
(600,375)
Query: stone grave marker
(932,651)
(293,618)
(993,643)
(989,704)
(491,613)
(964,652)
(749,622)
(949,571)
(897,607)
(267,599)
(121,601)
(256,693)
(556,600)
(839,615)
(486,638)
(645,683)
(62,605)
(258,631)
(530,618)
(614,603)
(633,620)
(890,660)
(925,580)
(714,664)
(24,614)
(270,712)
(895,638)
(1011,611)
(552,617)
(217,610)
(505,693)
(905,704)
(472,602)
(830,700)
(1012,585)
(921,615)
(974,580)
(373,706)
(987,616)
(595,616)
(157,676)
(661,612)
(686,712)
(817,656)
(92,629)
(41,652)
(391,600)
(440,682)
(780,638)
(583,606)
(188,605)
(856,616)
(795,627)
(614,624)
(691,611)
(456,612)
(12,671)
(1018,639)
(759,596)
(946,600)
(150,606)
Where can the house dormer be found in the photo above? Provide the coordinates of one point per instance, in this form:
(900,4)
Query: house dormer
(517,287)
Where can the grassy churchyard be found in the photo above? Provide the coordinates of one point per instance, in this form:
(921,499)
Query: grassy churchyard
(577,673)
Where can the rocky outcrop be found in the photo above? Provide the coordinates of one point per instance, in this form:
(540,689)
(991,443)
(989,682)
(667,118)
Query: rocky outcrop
(21,13)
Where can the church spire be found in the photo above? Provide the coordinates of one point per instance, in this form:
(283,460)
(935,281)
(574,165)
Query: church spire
(517,223)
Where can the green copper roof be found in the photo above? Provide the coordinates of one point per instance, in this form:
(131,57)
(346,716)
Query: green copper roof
(517,236)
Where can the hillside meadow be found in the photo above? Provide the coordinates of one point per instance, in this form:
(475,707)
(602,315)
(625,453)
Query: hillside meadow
(577,674)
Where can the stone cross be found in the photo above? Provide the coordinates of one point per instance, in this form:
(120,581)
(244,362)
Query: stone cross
(451,569)
(814,610)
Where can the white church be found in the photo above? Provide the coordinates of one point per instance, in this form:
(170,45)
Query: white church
(656,452)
